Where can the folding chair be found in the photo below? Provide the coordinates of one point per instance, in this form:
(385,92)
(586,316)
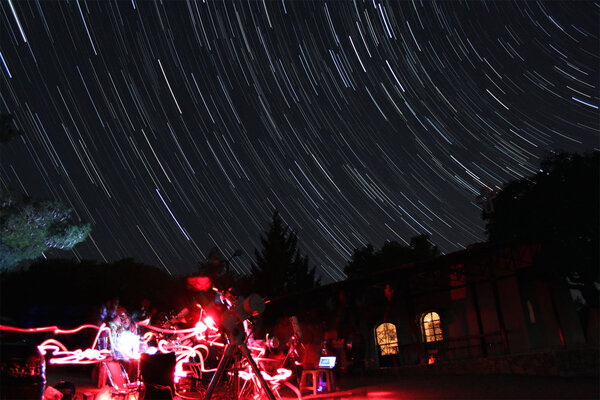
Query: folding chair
(119,380)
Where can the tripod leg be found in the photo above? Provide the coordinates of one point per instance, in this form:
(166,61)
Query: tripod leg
(220,369)
(256,370)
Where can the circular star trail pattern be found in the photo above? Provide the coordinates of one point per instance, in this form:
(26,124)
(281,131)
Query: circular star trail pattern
(173,127)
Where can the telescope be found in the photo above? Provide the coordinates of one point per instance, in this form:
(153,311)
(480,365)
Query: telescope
(232,323)
(232,320)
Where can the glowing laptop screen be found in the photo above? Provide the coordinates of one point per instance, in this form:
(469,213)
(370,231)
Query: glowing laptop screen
(326,362)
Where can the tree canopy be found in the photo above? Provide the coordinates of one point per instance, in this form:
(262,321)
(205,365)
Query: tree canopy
(558,206)
(366,260)
(28,228)
(280,267)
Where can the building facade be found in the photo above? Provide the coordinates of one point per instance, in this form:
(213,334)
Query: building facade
(485,302)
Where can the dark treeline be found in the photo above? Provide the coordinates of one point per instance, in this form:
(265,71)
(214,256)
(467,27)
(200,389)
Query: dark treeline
(66,293)
(392,254)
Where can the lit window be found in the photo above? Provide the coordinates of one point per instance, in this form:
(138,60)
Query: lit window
(387,339)
(432,327)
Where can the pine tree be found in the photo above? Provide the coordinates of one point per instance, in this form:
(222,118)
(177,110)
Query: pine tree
(280,267)
(29,228)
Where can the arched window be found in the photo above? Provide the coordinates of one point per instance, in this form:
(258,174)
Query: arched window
(387,338)
(432,327)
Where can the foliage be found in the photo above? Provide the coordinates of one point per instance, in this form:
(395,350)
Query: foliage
(7,132)
(363,261)
(29,228)
(280,267)
(558,206)
(366,260)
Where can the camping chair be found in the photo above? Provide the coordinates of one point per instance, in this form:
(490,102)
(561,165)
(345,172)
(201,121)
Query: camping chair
(119,380)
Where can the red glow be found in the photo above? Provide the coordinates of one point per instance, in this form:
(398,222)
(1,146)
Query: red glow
(61,355)
(383,395)
(187,344)
(210,322)
(53,329)
(200,283)
(201,328)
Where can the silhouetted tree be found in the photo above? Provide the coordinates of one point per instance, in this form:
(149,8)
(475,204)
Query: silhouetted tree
(362,261)
(28,228)
(7,131)
(559,207)
(392,254)
(279,265)
(423,248)
(300,276)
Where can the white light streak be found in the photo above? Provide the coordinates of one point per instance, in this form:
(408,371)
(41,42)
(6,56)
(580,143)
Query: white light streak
(12,8)
(172,216)
(169,85)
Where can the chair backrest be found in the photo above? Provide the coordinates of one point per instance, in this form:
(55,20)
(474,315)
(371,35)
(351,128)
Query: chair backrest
(117,375)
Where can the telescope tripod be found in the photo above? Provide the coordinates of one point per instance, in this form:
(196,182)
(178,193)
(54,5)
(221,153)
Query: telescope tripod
(228,353)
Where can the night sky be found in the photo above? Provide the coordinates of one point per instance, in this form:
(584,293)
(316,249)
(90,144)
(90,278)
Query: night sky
(176,126)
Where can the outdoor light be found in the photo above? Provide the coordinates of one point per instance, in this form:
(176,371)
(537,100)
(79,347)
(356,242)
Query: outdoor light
(128,344)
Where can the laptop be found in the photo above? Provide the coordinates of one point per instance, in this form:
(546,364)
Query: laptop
(327,362)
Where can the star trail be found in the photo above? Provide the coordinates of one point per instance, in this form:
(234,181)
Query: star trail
(176,126)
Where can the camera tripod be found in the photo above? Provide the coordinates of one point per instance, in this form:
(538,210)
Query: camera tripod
(229,352)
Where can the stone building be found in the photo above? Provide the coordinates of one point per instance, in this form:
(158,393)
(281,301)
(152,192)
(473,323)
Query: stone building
(479,310)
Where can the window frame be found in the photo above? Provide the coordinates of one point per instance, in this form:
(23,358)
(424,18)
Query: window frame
(431,330)
(387,348)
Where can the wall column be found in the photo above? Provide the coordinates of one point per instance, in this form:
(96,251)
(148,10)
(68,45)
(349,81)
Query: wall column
(479,322)
(499,313)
